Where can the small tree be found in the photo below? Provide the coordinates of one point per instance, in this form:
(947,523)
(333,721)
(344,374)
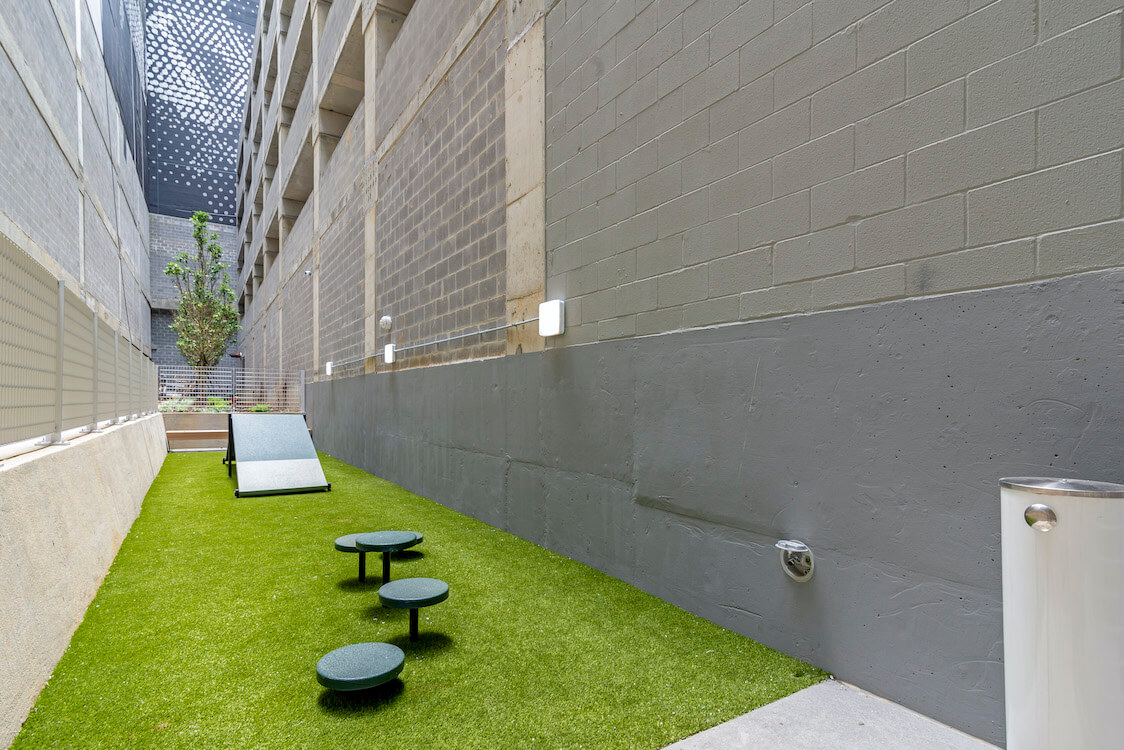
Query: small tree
(206,321)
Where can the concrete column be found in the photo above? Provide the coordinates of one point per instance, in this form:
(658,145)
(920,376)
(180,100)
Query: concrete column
(525,147)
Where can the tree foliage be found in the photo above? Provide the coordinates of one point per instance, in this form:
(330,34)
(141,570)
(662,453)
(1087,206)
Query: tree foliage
(206,321)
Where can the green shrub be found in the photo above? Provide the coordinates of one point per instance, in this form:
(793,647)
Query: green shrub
(260,407)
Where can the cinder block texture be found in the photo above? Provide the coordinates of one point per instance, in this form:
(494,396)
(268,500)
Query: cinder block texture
(876,435)
(921,130)
(81,498)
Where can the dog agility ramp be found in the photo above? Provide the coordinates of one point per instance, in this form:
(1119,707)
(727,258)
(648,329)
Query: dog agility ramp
(273,455)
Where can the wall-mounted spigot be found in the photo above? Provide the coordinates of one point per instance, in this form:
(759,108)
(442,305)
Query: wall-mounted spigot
(796,559)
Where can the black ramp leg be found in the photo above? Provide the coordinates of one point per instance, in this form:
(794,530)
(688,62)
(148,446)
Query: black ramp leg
(386,566)
(362,566)
(413,624)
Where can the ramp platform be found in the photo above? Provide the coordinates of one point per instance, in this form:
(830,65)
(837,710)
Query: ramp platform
(273,455)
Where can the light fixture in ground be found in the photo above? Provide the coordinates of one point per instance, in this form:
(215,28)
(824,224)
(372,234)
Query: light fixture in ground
(552,318)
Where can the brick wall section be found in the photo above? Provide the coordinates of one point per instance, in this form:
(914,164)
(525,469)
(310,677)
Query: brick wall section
(427,32)
(441,234)
(722,160)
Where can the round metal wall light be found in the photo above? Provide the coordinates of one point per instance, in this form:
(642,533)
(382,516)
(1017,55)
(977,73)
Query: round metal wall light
(796,559)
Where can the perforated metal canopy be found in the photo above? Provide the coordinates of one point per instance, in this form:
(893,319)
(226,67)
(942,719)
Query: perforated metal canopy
(273,454)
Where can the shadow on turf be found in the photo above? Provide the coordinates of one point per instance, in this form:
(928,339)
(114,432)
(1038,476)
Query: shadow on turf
(427,643)
(357,701)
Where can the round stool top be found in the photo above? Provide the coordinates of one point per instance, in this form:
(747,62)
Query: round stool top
(387,541)
(359,666)
(346,543)
(411,593)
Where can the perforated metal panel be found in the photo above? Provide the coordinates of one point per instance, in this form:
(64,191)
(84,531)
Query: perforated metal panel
(78,363)
(28,345)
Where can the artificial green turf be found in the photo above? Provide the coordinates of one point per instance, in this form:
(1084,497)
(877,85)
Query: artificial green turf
(207,630)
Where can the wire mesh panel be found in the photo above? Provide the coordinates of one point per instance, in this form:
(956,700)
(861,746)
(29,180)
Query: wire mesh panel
(28,345)
(78,363)
(219,389)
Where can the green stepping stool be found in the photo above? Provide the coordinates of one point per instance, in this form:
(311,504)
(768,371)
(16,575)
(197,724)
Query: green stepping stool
(360,666)
(346,543)
(412,594)
(385,542)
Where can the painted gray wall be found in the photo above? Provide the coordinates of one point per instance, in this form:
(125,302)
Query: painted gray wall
(876,435)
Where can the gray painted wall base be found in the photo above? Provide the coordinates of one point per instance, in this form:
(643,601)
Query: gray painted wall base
(875,435)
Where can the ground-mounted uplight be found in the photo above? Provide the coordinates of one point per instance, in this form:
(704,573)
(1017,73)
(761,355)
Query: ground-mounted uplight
(552,318)
(388,354)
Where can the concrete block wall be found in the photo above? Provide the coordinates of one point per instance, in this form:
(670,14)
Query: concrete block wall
(441,230)
(69,191)
(723,160)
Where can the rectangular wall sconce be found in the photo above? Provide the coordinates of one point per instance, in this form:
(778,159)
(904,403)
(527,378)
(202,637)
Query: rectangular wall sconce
(328,369)
(388,354)
(552,318)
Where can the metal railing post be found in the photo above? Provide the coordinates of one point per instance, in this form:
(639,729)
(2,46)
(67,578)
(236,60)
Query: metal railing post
(55,438)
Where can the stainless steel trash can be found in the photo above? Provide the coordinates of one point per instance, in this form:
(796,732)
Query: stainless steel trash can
(1063,613)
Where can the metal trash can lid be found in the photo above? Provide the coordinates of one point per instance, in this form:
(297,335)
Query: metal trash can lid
(1076,487)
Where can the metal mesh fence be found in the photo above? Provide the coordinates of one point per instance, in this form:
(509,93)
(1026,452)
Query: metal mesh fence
(60,367)
(219,389)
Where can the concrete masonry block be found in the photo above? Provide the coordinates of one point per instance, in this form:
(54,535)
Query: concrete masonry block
(616,328)
(637,97)
(660,117)
(711,312)
(660,187)
(715,239)
(776,133)
(742,108)
(1081,125)
(814,162)
(898,24)
(780,43)
(860,194)
(1058,16)
(818,254)
(637,164)
(836,16)
(659,257)
(684,65)
(1058,67)
(741,272)
(971,269)
(681,287)
(615,302)
(860,287)
(659,321)
(683,139)
(992,33)
(870,90)
(742,190)
(641,28)
(683,212)
(713,163)
(988,154)
(1083,192)
(716,81)
(744,23)
(778,300)
(776,220)
(914,123)
(660,47)
(812,70)
(915,231)
(1082,249)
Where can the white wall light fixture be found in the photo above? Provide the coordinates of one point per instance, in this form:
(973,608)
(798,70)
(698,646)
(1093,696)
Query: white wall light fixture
(552,318)
(328,369)
(388,354)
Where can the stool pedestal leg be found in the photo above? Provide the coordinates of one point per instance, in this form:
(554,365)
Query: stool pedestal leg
(362,566)
(385,567)
(413,624)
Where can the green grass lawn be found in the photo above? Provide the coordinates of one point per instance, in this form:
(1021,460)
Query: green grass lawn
(207,630)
